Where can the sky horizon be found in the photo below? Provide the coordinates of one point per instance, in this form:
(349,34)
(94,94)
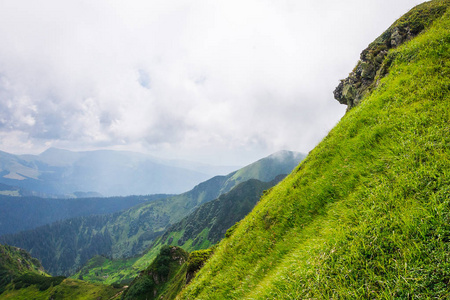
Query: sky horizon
(219,82)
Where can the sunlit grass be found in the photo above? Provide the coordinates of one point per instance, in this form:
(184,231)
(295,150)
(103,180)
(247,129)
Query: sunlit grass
(366,215)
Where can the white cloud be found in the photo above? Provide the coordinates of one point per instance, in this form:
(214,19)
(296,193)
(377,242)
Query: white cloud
(216,80)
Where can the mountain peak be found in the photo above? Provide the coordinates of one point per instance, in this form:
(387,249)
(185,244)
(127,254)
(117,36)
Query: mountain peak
(53,150)
(283,154)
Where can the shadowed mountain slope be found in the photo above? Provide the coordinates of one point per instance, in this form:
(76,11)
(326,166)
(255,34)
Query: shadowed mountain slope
(24,213)
(204,227)
(208,224)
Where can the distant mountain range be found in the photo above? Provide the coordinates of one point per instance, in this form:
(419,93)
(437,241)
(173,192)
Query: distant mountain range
(104,172)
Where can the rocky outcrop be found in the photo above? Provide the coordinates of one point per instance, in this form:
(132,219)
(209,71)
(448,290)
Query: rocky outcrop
(374,60)
(160,276)
(196,261)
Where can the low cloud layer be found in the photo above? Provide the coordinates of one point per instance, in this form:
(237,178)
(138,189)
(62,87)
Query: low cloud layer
(221,81)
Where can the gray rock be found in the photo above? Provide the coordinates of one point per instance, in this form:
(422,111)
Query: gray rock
(373,64)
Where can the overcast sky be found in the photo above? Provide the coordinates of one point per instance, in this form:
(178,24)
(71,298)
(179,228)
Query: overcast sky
(226,82)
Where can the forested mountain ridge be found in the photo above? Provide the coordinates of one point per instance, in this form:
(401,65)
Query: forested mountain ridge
(208,224)
(366,215)
(170,271)
(65,246)
(24,213)
(202,228)
(163,278)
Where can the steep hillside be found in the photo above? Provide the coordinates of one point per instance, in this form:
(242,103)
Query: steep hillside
(15,262)
(65,246)
(23,213)
(366,215)
(199,230)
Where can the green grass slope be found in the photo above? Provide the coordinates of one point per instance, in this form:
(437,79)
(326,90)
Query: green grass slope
(367,214)
(23,277)
(15,262)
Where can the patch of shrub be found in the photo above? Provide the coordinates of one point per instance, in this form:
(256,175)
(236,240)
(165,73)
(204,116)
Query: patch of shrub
(42,282)
(197,259)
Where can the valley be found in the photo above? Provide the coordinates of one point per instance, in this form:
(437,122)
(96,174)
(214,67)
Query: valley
(365,215)
(65,246)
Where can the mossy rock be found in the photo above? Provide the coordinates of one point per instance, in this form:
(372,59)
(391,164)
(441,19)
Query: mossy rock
(371,67)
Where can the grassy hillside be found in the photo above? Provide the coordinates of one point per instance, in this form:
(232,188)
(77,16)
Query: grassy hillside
(65,246)
(367,214)
(23,277)
(15,262)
